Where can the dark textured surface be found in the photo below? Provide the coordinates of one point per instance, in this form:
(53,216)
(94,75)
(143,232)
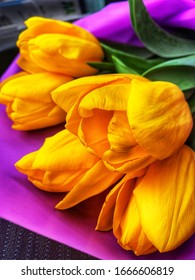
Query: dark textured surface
(17,243)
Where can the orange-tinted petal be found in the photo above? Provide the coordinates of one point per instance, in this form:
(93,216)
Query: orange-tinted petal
(6,98)
(126,222)
(59,164)
(96,137)
(105,219)
(159,117)
(119,133)
(165,199)
(131,161)
(32,115)
(96,180)
(29,102)
(77,89)
(59,47)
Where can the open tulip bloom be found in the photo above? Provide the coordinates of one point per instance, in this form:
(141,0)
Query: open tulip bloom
(120,128)
(128,115)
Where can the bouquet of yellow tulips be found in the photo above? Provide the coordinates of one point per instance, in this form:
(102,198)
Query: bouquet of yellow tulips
(128,114)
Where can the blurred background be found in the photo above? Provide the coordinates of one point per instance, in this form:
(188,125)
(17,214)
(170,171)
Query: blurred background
(13,13)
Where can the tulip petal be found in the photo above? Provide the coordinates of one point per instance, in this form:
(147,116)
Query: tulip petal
(30,115)
(105,219)
(40,25)
(96,180)
(34,87)
(78,88)
(96,140)
(57,46)
(58,164)
(55,181)
(161,121)
(119,133)
(63,65)
(126,223)
(27,65)
(165,199)
(5,98)
(68,46)
(63,151)
(131,161)
(109,97)
(29,102)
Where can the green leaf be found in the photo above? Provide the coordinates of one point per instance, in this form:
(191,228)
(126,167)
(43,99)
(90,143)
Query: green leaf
(180,71)
(103,66)
(188,93)
(191,102)
(109,51)
(183,77)
(140,64)
(191,139)
(154,37)
(114,47)
(121,67)
(184,61)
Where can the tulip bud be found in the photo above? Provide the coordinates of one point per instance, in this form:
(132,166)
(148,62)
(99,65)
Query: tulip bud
(59,47)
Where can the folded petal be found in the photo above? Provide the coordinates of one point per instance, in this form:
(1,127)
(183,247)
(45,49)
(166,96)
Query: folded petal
(109,97)
(58,164)
(165,199)
(78,88)
(124,155)
(7,98)
(105,219)
(96,180)
(33,115)
(97,141)
(39,25)
(68,52)
(126,222)
(34,87)
(159,117)
(127,162)
(65,152)
(120,135)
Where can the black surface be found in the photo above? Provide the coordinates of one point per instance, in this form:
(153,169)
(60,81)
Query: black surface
(6,58)
(17,243)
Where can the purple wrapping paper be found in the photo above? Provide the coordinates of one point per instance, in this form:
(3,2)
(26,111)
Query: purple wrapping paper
(33,209)
(117,25)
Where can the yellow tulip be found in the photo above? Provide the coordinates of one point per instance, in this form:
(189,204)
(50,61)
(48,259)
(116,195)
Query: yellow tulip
(58,164)
(57,46)
(155,211)
(125,119)
(28,100)
(63,164)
